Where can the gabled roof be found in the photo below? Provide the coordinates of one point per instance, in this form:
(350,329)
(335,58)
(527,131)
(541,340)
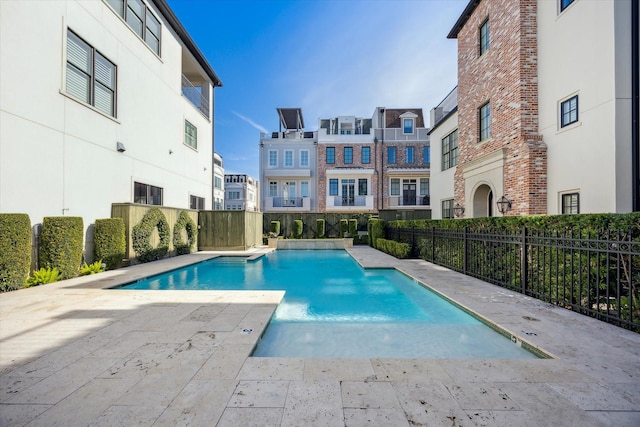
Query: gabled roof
(466,14)
(171,17)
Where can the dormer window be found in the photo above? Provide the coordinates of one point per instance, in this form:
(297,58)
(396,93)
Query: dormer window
(408,122)
(407,126)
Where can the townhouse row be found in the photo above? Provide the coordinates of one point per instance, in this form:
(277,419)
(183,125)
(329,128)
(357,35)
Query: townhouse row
(350,164)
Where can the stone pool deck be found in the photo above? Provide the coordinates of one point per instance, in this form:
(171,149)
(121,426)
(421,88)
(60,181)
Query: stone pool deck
(74,354)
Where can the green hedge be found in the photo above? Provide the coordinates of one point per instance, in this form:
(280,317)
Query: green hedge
(275,228)
(344,227)
(353,227)
(141,236)
(375,228)
(61,244)
(297,229)
(320,228)
(15,250)
(398,250)
(184,224)
(110,243)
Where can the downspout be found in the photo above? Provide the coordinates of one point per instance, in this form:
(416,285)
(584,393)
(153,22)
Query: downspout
(382,159)
(635,104)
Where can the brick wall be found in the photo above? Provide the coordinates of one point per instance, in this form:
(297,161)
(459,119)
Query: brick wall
(506,76)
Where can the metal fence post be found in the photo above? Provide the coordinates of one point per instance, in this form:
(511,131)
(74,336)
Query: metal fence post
(524,263)
(464,249)
(433,244)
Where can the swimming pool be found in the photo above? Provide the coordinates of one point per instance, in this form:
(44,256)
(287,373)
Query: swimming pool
(334,308)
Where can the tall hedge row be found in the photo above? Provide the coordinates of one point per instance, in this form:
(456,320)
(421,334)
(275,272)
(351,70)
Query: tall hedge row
(61,244)
(110,242)
(15,250)
(375,229)
(297,229)
(184,224)
(320,228)
(141,236)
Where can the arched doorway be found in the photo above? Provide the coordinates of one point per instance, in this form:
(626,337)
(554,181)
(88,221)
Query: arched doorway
(483,201)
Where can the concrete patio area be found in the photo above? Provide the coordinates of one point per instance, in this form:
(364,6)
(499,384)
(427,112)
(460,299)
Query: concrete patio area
(75,354)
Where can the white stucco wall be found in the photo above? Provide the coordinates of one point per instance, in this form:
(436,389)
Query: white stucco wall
(579,55)
(57,155)
(441,181)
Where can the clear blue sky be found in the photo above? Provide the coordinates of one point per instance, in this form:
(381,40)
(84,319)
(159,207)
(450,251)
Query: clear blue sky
(328,57)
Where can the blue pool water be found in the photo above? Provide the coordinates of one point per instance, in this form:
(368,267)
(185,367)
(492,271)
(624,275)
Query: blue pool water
(334,308)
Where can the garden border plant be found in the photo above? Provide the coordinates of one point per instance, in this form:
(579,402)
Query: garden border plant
(185,223)
(15,250)
(61,242)
(141,236)
(110,243)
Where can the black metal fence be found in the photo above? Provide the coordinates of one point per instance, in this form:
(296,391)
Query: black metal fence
(596,274)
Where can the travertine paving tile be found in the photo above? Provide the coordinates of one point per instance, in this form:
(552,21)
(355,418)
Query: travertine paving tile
(359,394)
(357,417)
(315,403)
(156,389)
(205,313)
(430,404)
(272,368)
(251,417)
(200,403)
(482,396)
(414,370)
(338,369)
(11,385)
(20,414)
(617,418)
(152,358)
(595,397)
(259,394)
(225,363)
(128,415)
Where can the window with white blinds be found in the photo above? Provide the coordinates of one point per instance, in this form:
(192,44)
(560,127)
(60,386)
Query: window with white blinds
(91,77)
(141,20)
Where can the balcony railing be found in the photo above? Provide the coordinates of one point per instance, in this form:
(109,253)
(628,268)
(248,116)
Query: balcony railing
(195,96)
(409,201)
(293,202)
(350,201)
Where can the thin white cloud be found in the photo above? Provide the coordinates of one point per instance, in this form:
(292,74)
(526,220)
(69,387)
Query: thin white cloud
(251,122)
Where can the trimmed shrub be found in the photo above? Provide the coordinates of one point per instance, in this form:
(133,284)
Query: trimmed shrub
(320,227)
(297,229)
(275,228)
(61,244)
(353,227)
(94,268)
(15,250)
(110,242)
(364,239)
(398,250)
(344,227)
(141,236)
(184,223)
(376,231)
(42,277)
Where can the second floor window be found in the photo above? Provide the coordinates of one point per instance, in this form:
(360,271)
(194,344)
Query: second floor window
(362,186)
(331,155)
(426,155)
(366,155)
(484,37)
(447,208)
(234,195)
(304,189)
(288,158)
(138,16)
(273,189)
(391,154)
(409,154)
(190,135)
(569,111)
(348,155)
(196,202)
(217,182)
(333,187)
(450,150)
(395,187)
(91,77)
(485,121)
(273,158)
(304,158)
(424,186)
(147,194)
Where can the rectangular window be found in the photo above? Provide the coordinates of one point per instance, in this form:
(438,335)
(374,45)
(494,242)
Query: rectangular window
(447,208)
(565,4)
(391,154)
(485,121)
(273,189)
(366,155)
(91,78)
(348,155)
(571,203)
(139,17)
(217,182)
(304,189)
(424,186)
(484,37)
(190,135)
(333,187)
(407,126)
(331,155)
(409,154)
(395,187)
(362,186)
(426,155)
(288,158)
(304,158)
(569,111)
(147,194)
(273,158)
(450,150)
(196,202)
(234,195)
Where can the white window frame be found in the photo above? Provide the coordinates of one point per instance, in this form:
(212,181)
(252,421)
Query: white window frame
(304,188)
(190,141)
(413,125)
(399,185)
(288,162)
(273,161)
(304,158)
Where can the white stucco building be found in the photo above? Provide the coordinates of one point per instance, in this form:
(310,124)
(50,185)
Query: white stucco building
(102,102)
(241,192)
(218,182)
